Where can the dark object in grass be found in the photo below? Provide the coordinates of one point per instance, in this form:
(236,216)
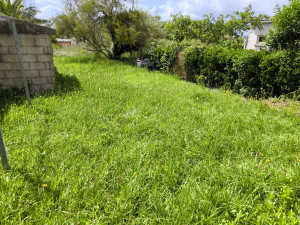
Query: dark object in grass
(147,64)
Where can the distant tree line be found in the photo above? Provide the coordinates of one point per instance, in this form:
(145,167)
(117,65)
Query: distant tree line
(108,26)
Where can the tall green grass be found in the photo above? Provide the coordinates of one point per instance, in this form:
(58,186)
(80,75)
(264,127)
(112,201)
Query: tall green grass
(138,147)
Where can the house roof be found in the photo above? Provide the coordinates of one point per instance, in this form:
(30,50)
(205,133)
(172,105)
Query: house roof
(23,27)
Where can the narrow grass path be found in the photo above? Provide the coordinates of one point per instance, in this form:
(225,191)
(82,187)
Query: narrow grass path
(139,147)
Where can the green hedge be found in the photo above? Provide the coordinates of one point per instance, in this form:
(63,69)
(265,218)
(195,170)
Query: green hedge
(246,65)
(163,53)
(280,73)
(211,66)
(246,72)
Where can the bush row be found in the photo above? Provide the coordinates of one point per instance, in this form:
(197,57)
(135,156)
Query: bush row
(246,72)
(163,53)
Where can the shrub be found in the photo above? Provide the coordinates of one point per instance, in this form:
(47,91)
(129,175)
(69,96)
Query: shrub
(213,64)
(163,53)
(246,65)
(193,58)
(247,72)
(280,72)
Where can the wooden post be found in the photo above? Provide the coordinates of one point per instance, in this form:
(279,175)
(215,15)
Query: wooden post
(17,44)
(3,153)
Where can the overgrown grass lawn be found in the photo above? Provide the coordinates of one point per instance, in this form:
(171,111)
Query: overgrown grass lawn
(139,147)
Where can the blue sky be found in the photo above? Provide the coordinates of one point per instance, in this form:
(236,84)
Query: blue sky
(195,8)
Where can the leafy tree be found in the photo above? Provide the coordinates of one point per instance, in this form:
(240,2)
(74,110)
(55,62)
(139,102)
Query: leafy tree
(17,9)
(179,28)
(211,30)
(239,22)
(135,29)
(286,23)
(107,26)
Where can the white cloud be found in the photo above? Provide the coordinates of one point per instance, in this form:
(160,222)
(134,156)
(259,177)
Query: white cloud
(55,2)
(197,8)
(49,11)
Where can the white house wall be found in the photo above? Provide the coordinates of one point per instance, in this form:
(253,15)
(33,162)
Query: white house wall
(252,42)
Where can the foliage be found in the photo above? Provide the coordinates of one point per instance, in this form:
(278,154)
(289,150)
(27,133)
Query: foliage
(280,73)
(139,147)
(193,55)
(108,27)
(239,22)
(286,23)
(250,73)
(211,30)
(179,28)
(17,9)
(135,29)
(163,53)
(212,64)
(246,65)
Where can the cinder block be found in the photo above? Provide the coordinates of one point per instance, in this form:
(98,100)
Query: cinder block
(47,87)
(51,66)
(9,58)
(35,87)
(32,73)
(4,51)
(29,58)
(13,50)
(27,41)
(16,66)
(49,50)
(52,73)
(51,80)
(5,66)
(19,82)
(2,75)
(45,58)
(6,41)
(43,42)
(39,80)
(37,66)
(45,73)
(36,50)
(7,82)
(13,74)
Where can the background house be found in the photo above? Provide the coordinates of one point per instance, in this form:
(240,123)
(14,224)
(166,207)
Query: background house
(255,39)
(62,40)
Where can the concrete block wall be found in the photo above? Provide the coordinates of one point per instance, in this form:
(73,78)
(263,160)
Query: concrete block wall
(37,54)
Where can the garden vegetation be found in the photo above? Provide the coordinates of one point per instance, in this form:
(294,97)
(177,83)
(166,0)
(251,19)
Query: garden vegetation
(121,145)
(214,54)
(116,144)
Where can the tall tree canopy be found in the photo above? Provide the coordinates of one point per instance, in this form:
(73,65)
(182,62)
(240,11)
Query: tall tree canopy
(17,9)
(286,23)
(213,30)
(108,26)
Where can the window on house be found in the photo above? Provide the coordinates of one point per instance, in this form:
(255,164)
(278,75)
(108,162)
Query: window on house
(261,39)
